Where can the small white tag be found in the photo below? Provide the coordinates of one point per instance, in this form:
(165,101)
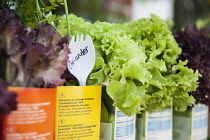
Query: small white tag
(81,58)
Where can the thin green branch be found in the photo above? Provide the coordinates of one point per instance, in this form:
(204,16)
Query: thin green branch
(43,3)
(38,11)
(67,13)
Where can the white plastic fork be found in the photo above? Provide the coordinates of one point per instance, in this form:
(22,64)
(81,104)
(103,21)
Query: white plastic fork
(81,57)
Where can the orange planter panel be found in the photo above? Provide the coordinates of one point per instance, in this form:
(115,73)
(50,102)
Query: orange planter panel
(35,117)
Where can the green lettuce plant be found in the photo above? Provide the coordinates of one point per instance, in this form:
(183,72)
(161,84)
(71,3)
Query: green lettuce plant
(136,61)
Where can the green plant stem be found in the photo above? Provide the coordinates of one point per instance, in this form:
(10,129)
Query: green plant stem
(42,3)
(39,12)
(67,13)
(50,23)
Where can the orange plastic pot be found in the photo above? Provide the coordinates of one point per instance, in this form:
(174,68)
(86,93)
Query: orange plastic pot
(34,119)
(1,127)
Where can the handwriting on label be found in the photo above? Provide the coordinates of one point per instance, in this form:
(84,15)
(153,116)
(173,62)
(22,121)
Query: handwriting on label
(78,56)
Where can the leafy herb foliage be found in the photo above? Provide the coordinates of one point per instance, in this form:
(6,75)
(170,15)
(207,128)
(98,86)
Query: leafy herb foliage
(34,12)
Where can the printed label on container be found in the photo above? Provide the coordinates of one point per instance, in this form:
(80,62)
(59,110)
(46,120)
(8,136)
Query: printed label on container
(78,112)
(34,118)
(159,125)
(124,126)
(200,122)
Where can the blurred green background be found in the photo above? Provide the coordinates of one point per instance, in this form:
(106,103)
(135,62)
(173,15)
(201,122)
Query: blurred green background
(190,11)
(184,11)
(94,10)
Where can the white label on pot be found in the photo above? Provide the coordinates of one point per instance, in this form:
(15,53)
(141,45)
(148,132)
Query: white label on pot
(124,126)
(200,122)
(159,125)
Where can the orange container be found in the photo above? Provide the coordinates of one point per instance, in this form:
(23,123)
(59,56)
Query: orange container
(35,117)
(1,127)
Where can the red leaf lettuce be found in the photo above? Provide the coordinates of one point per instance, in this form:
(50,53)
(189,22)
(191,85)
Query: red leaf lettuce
(32,58)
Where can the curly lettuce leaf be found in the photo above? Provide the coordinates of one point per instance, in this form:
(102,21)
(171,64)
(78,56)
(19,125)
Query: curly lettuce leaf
(128,97)
(154,35)
(186,80)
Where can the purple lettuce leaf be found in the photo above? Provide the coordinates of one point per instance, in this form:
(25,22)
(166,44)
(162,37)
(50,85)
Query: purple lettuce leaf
(30,54)
(51,74)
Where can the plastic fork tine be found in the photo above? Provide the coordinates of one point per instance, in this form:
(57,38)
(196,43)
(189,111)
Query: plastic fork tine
(85,37)
(73,38)
(76,38)
(81,37)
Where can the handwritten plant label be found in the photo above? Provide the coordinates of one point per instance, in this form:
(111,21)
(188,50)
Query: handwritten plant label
(82,56)
(82,52)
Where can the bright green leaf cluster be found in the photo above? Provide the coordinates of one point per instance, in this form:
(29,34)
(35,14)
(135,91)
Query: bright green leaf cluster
(137,63)
(34,12)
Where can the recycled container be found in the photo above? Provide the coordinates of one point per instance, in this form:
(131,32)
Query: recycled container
(191,124)
(154,126)
(34,119)
(78,111)
(116,125)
